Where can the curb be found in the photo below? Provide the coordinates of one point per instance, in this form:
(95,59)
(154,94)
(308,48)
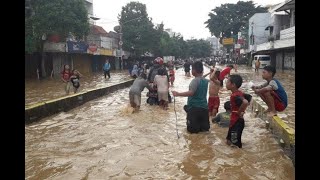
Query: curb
(282,132)
(38,111)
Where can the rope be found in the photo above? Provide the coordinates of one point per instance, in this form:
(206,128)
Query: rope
(175,112)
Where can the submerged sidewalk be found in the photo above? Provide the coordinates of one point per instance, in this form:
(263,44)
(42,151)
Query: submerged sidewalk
(37,91)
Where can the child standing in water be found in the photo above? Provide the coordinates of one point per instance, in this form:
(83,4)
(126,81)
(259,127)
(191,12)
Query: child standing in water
(238,105)
(75,80)
(214,100)
(162,83)
(65,77)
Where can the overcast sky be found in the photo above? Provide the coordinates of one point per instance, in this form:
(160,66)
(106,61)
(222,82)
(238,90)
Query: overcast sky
(184,16)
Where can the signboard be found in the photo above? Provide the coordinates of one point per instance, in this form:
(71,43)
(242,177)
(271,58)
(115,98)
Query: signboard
(106,52)
(237,46)
(227,41)
(240,41)
(54,47)
(76,47)
(116,53)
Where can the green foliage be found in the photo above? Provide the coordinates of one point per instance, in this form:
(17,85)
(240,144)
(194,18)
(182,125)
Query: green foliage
(199,48)
(140,36)
(55,17)
(232,17)
(137,28)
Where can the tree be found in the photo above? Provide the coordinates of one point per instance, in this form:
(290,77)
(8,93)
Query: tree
(199,48)
(137,28)
(61,17)
(231,17)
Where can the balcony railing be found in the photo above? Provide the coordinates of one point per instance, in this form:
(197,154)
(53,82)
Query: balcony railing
(285,27)
(287,33)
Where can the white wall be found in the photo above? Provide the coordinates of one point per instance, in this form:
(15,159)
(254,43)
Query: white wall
(258,23)
(106,42)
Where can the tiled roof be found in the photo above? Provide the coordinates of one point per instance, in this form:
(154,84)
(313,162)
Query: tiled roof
(98,30)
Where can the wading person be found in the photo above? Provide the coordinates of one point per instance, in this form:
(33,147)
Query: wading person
(197,106)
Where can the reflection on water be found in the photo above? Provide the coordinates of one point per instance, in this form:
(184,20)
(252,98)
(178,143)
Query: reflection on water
(102,140)
(38,91)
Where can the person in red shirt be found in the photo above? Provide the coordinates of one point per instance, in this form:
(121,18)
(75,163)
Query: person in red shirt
(65,77)
(224,72)
(238,105)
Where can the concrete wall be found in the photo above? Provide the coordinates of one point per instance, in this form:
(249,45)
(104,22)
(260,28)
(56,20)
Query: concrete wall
(282,132)
(257,25)
(82,62)
(106,42)
(277,21)
(288,33)
(95,39)
(289,60)
(58,61)
(279,60)
(32,62)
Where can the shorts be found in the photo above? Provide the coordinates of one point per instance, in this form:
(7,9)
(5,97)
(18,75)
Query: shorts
(134,98)
(278,104)
(213,103)
(186,70)
(235,132)
(163,96)
(172,78)
(197,120)
(68,86)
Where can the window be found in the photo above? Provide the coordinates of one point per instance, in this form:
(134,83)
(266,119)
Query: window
(264,58)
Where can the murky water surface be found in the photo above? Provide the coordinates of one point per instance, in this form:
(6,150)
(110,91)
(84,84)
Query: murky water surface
(103,140)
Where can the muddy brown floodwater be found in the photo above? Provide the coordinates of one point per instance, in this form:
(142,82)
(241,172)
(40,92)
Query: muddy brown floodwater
(286,78)
(102,140)
(47,89)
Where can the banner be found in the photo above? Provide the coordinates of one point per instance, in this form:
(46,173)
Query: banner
(77,47)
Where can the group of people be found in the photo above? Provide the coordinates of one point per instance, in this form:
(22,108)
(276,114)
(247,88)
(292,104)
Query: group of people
(199,110)
(157,80)
(71,78)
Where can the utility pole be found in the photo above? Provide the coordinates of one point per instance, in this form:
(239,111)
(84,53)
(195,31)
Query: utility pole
(121,42)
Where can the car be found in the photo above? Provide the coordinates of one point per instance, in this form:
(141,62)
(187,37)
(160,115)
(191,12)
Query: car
(265,60)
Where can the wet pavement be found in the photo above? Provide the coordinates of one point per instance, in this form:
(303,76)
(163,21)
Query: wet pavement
(102,140)
(37,91)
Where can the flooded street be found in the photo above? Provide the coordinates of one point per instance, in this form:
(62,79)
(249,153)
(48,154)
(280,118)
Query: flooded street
(47,89)
(102,140)
(286,78)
